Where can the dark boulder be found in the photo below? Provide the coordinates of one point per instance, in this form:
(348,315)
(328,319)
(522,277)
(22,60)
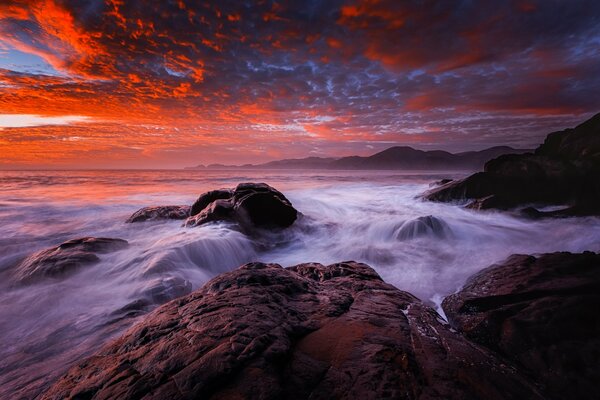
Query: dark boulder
(65,258)
(206,198)
(310,331)
(565,170)
(540,312)
(250,205)
(159,213)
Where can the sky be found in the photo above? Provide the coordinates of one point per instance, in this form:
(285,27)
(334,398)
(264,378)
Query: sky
(174,83)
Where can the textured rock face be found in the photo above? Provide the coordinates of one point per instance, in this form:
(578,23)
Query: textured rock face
(160,212)
(543,314)
(310,331)
(250,205)
(583,142)
(65,258)
(565,170)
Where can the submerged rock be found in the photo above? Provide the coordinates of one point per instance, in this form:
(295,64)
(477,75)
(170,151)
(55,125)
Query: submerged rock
(310,331)
(65,258)
(161,290)
(565,170)
(542,313)
(160,212)
(158,291)
(250,205)
(428,226)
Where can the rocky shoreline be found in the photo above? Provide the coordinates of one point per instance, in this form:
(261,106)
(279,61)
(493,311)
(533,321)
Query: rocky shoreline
(527,328)
(563,172)
(339,331)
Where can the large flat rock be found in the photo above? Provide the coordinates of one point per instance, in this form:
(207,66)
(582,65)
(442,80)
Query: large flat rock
(310,331)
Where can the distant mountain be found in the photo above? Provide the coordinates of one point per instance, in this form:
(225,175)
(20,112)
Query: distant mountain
(398,157)
(308,162)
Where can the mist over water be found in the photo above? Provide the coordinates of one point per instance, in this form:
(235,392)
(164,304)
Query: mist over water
(373,217)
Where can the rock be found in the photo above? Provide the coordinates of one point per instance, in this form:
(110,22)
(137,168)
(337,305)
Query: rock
(158,291)
(65,258)
(441,182)
(160,212)
(428,226)
(250,205)
(310,331)
(565,170)
(161,290)
(583,142)
(205,199)
(490,202)
(540,312)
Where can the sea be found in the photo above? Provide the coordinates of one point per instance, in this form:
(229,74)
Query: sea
(365,216)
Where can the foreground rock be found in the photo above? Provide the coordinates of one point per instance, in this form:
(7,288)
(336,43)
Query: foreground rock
(541,313)
(563,171)
(159,213)
(310,331)
(65,258)
(251,205)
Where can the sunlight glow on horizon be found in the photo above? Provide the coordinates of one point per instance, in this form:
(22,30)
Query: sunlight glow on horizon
(31,120)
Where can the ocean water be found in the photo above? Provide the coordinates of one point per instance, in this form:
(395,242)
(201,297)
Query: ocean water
(372,217)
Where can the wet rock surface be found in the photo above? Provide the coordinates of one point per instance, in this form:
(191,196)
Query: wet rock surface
(310,331)
(160,213)
(564,170)
(65,258)
(251,205)
(540,312)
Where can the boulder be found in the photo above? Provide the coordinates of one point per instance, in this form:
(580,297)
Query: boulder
(159,213)
(65,258)
(251,205)
(565,170)
(310,331)
(428,226)
(541,313)
(206,198)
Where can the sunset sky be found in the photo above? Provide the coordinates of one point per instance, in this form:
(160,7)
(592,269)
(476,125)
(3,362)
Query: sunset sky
(168,84)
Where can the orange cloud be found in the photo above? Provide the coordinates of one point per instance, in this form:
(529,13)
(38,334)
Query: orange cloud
(159,80)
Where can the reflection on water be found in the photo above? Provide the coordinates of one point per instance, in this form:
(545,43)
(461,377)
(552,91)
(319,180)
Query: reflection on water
(372,217)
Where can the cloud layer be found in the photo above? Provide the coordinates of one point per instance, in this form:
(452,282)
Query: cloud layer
(174,83)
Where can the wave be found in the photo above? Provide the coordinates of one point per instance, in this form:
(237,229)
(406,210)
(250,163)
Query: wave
(428,249)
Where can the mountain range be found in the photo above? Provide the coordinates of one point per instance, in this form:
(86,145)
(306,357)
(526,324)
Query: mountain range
(397,157)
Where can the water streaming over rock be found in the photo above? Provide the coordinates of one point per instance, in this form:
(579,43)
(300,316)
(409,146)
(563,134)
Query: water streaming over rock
(428,249)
